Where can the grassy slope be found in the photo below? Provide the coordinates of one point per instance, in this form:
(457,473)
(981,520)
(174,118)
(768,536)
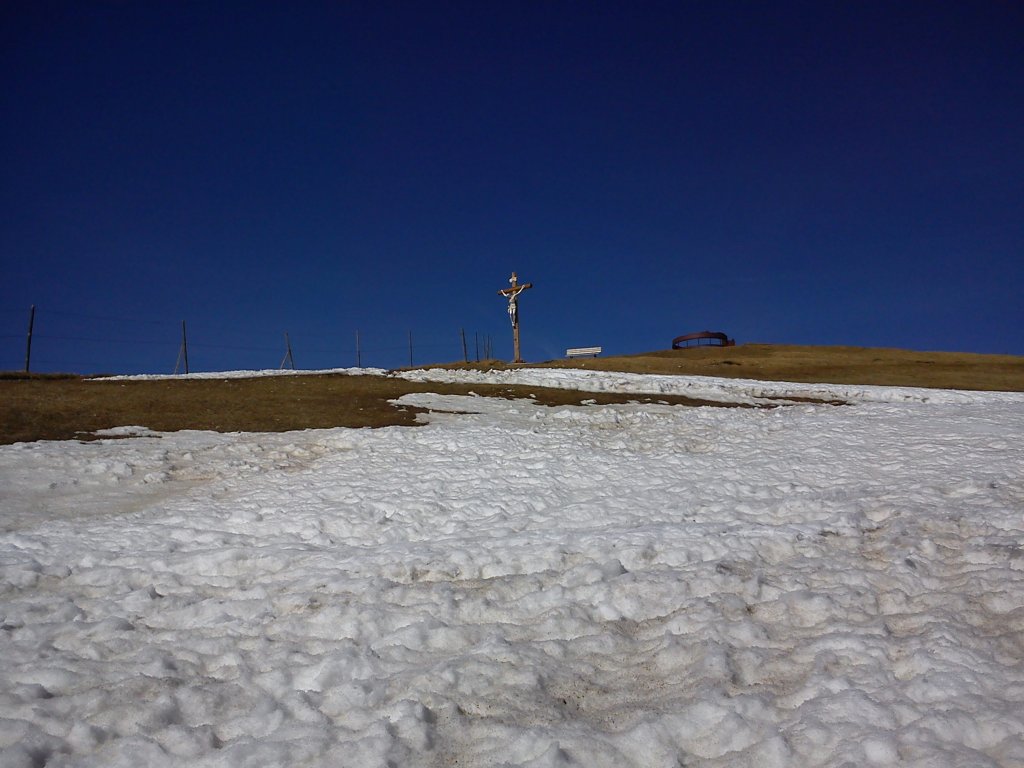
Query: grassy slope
(68,407)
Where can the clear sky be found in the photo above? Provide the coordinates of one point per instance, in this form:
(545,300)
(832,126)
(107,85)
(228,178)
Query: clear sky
(794,173)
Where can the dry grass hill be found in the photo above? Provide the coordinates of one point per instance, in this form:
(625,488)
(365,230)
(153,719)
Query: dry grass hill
(71,407)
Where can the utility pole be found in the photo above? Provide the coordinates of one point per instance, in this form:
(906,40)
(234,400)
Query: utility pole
(512,294)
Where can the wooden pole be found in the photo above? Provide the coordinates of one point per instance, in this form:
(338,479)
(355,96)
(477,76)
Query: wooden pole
(476,342)
(410,349)
(28,346)
(359,354)
(465,351)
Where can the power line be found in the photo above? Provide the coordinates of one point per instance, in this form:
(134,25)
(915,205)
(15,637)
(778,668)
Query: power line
(99,341)
(230,346)
(109,318)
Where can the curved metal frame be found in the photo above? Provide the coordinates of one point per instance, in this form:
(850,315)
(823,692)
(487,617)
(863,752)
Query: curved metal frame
(682,342)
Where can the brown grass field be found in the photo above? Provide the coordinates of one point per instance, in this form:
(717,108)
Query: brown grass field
(46,407)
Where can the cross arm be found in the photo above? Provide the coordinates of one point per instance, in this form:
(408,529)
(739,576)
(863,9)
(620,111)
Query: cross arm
(515,289)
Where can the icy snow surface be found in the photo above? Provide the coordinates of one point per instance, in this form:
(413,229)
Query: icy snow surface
(517,585)
(246,374)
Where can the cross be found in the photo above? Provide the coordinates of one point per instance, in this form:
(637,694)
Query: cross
(512,294)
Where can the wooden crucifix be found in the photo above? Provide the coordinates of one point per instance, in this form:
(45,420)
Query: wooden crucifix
(512,294)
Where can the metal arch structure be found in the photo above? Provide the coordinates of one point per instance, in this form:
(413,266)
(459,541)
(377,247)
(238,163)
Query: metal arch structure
(713,338)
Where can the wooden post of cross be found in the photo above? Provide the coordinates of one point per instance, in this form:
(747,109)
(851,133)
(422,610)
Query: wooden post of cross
(512,294)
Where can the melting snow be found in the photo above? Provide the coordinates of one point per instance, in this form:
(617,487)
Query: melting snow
(517,585)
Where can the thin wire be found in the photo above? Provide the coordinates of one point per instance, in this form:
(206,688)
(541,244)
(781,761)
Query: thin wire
(99,341)
(103,317)
(203,345)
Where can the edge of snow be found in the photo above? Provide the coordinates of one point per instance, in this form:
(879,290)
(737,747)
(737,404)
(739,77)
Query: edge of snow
(707,387)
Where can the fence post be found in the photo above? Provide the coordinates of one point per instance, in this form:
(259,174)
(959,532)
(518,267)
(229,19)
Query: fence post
(182,351)
(184,345)
(465,352)
(359,354)
(28,346)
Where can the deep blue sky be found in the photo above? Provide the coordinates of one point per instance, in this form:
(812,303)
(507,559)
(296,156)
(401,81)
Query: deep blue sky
(805,173)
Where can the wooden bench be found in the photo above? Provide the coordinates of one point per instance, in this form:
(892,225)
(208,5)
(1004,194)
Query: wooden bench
(583,352)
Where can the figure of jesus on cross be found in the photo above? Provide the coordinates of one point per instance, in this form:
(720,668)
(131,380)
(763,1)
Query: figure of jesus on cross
(512,294)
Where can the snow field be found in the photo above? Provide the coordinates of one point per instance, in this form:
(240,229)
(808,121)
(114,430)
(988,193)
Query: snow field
(517,585)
